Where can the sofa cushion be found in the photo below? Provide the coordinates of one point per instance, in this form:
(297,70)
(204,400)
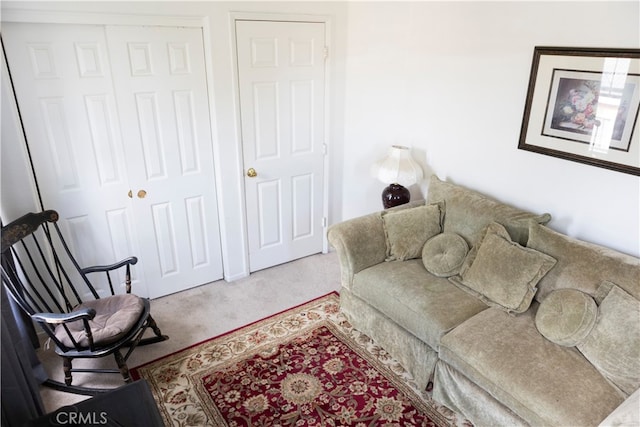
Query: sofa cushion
(468,212)
(582,265)
(627,414)
(408,230)
(501,272)
(566,316)
(543,383)
(613,345)
(416,300)
(444,254)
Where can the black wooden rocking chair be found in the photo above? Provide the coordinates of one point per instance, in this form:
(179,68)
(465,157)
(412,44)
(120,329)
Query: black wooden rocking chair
(43,277)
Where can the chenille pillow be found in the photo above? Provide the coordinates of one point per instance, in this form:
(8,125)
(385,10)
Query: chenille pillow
(469,211)
(613,345)
(501,273)
(407,230)
(566,316)
(444,254)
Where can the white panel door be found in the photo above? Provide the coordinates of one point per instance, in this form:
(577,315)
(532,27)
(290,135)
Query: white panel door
(281,75)
(62,79)
(87,150)
(162,99)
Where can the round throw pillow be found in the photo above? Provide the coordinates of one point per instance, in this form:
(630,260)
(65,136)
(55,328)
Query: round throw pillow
(566,316)
(444,254)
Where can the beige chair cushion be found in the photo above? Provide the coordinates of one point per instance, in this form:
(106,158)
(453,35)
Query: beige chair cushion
(501,272)
(566,316)
(115,316)
(613,345)
(444,254)
(408,230)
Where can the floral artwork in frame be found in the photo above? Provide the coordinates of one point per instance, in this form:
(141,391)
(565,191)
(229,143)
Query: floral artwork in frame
(583,105)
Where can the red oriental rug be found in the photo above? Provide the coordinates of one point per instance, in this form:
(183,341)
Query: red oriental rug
(303,367)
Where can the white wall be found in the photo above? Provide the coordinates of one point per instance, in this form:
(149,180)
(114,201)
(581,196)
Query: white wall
(16,184)
(450,80)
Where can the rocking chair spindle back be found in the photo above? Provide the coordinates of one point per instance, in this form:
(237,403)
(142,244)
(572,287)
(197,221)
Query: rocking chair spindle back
(41,274)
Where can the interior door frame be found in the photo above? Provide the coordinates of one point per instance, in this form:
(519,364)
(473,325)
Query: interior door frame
(104,19)
(278,17)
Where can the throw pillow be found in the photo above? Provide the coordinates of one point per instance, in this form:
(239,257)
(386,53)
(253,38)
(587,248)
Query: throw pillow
(469,211)
(444,254)
(501,272)
(566,316)
(613,345)
(407,230)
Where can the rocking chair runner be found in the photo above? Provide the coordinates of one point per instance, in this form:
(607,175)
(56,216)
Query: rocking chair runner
(43,277)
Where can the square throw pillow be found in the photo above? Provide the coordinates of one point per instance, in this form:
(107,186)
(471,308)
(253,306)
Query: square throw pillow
(613,345)
(407,230)
(502,273)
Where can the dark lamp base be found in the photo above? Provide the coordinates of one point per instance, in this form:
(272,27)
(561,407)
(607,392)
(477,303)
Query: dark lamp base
(395,195)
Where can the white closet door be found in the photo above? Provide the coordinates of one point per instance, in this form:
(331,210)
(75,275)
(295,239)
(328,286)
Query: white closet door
(281,78)
(86,160)
(62,79)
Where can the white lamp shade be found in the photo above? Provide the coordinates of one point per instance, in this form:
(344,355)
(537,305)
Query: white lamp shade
(399,167)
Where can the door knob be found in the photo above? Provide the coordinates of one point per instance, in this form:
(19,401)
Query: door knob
(130,194)
(142,194)
(251,173)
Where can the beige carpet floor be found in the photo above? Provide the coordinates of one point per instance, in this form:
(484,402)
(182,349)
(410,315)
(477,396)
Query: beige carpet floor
(197,314)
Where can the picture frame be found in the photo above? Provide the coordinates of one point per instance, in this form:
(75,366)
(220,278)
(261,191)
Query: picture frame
(582,105)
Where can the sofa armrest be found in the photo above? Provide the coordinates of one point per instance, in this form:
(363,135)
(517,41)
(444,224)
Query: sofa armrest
(627,414)
(360,243)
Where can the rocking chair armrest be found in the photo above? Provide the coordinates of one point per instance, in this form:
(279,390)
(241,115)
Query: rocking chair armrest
(56,318)
(102,268)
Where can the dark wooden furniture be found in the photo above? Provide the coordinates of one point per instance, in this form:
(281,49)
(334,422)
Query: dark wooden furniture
(42,276)
(129,405)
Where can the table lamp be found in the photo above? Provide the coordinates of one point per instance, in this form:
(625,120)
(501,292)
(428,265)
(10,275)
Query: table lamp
(399,170)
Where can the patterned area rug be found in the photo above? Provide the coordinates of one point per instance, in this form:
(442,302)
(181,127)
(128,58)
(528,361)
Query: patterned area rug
(303,367)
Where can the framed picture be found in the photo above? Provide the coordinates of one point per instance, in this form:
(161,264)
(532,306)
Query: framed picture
(582,105)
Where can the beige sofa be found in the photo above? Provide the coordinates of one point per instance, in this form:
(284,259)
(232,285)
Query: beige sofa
(455,288)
